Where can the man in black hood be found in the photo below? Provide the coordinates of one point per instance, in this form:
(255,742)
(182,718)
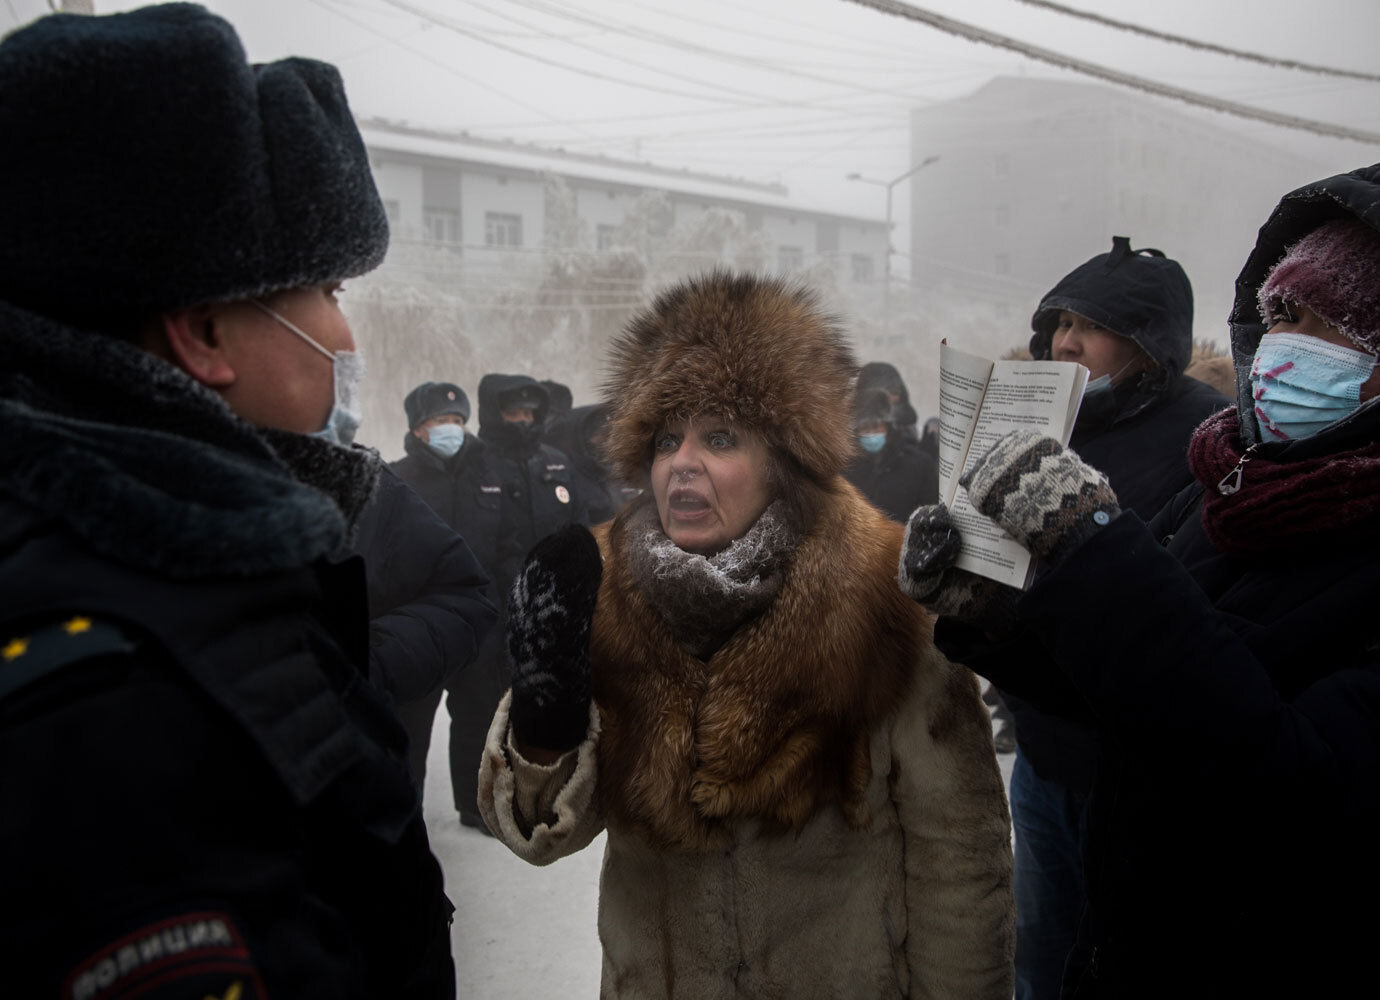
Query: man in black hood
(1128,316)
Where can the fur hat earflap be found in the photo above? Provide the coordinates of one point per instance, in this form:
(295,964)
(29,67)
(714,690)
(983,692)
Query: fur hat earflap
(753,350)
(149,167)
(1334,271)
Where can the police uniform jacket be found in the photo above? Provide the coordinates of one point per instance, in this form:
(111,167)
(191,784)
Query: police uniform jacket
(202,793)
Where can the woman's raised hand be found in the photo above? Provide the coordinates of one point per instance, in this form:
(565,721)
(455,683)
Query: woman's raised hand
(550,609)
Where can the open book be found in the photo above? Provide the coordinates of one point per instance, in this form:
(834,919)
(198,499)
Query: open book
(980,401)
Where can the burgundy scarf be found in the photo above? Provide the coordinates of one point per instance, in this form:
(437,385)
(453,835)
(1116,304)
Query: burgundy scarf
(1282,505)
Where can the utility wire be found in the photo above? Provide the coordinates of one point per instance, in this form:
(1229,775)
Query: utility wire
(451,25)
(446,67)
(983,36)
(1201,46)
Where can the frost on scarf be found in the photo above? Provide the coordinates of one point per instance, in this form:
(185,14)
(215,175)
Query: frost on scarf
(704,599)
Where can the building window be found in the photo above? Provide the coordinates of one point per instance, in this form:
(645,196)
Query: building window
(502,229)
(862,267)
(442,224)
(789,259)
(1002,216)
(604,237)
(392,210)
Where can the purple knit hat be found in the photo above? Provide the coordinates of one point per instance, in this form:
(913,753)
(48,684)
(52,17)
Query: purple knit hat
(1334,271)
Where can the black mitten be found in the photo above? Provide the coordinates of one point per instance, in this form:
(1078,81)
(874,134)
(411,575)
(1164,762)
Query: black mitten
(550,610)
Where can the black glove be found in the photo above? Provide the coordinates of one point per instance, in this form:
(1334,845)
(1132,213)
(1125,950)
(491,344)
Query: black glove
(550,610)
(927,574)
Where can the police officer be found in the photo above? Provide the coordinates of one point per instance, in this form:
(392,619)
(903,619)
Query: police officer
(203,795)
(450,468)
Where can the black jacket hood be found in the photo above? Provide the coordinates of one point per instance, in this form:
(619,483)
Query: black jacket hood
(1140,294)
(493,387)
(1351,195)
(570,432)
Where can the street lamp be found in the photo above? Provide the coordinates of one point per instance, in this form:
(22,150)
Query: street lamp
(890,186)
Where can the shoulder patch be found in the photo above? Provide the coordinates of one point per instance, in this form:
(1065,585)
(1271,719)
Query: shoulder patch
(27,656)
(199,954)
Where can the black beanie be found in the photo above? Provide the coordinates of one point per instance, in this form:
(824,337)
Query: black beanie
(432,399)
(147,167)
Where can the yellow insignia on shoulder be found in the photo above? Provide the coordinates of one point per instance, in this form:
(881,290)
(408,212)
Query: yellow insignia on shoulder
(14,649)
(77,626)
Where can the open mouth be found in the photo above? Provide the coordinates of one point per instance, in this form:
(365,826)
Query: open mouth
(687,504)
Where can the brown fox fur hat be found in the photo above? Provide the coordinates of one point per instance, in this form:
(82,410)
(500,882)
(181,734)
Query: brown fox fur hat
(754,350)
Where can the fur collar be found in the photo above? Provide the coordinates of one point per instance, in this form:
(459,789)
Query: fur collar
(775,725)
(153,470)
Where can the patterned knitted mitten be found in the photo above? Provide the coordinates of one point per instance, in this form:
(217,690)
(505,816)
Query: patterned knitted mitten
(928,576)
(1048,498)
(550,610)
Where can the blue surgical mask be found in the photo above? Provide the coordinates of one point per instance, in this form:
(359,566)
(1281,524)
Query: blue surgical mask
(872,442)
(1301,384)
(347,373)
(446,439)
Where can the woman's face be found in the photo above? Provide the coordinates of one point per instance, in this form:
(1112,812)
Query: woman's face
(1301,319)
(710,482)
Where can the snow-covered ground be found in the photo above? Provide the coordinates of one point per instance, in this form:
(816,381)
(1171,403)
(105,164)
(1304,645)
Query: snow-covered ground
(520,932)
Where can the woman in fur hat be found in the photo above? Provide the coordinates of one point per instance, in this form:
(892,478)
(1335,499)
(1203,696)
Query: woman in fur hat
(1228,654)
(800,792)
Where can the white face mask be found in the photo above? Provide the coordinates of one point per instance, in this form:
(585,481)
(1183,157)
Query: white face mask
(347,372)
(446,439)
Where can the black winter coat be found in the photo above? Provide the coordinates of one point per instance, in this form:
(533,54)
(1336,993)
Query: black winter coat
(570,433)
(1232,821)
(428,597)
(899,478)
(1136,433)
(539,492)
(463,491)
(198,782)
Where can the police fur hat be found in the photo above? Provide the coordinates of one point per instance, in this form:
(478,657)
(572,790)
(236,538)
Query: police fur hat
(433,399)
(149,167)
(1334,271)
(753,350)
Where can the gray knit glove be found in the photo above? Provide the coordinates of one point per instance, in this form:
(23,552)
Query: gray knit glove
(928,576)
(1044,495)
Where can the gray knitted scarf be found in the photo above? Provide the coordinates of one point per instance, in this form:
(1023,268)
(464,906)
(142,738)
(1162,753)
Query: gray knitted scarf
(704,599)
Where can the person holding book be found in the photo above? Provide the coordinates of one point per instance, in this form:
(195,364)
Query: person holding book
(799,790)
(1127,315)
(1227,654)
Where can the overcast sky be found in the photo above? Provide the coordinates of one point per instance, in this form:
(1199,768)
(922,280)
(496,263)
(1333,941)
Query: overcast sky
(797,91)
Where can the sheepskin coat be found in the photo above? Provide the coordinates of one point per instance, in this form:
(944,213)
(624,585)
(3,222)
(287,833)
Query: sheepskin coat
(814,811)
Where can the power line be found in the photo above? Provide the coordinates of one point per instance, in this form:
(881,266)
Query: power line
(983,36)
(705,51)
(446,67)
(478,36)
(1201,46)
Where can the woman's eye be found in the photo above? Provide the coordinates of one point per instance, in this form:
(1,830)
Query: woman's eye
(667,442)
(720,439)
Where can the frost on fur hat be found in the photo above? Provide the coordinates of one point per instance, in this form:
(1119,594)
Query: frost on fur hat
(149,167)
(1334,271)
(753,350)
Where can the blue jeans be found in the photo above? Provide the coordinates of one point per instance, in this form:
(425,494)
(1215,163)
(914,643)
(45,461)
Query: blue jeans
(1048,820)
